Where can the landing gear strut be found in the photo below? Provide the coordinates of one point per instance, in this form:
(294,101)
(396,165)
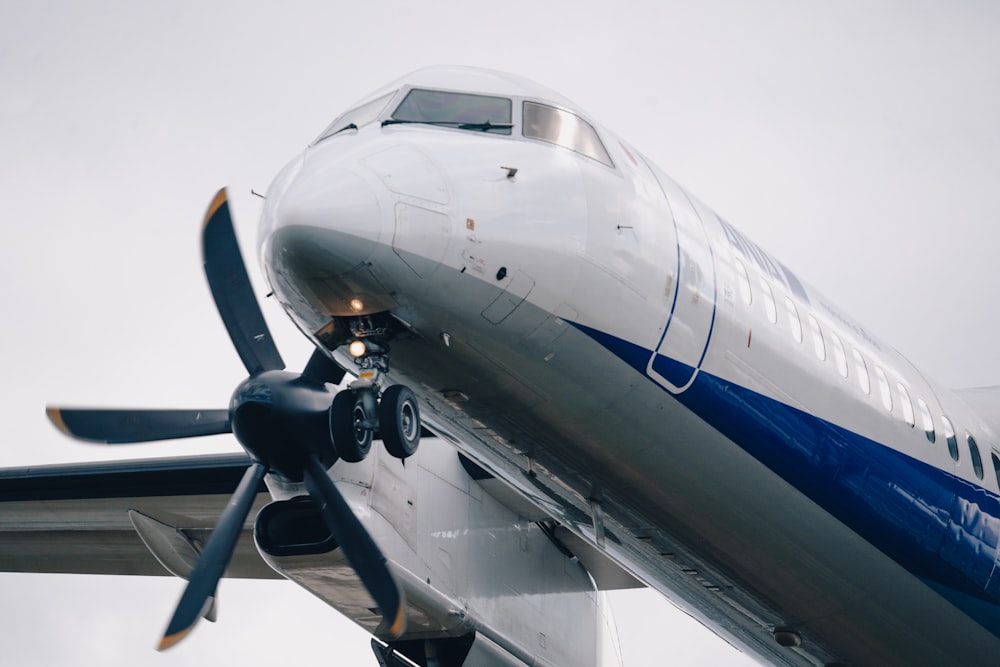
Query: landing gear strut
(363,409)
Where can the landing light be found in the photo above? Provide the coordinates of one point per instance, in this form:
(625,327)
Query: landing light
(358,348)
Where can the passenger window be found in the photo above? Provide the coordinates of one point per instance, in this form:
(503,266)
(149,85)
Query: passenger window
(864,381)
(793,320)
(996,466)
(839,357)
(481,113)
(817,335)
(744,280)
(904,402)
(926,420)
(977,462)
(949,436)
(565,129)
(883,387)
(769,307)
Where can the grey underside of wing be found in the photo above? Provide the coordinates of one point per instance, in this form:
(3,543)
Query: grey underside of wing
(75,518)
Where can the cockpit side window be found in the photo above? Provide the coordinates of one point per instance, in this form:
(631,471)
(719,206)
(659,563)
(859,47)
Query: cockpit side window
(465,111)
(565,129)
(356,117)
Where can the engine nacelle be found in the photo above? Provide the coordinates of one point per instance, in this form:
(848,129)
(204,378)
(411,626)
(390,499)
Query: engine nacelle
(486,581)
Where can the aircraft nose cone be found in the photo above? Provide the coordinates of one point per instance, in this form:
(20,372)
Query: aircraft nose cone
(330,209)
(324,223)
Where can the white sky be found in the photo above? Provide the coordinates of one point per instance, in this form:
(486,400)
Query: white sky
(857,142)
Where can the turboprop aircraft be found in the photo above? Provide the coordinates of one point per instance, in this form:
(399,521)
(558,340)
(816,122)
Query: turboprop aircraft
(625,389)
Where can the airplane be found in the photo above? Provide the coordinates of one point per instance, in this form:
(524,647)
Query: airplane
(624,388)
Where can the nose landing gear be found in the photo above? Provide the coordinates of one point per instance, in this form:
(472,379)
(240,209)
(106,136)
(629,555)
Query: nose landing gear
(363,409)
(351,424)
(399,418)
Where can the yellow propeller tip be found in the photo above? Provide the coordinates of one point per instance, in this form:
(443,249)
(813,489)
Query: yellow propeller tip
(170,640)
(55,416)
(399,624)
(221,197)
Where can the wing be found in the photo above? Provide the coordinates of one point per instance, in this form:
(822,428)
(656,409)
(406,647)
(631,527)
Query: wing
(99,518)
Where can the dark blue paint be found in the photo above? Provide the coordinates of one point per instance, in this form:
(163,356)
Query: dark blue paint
(938,526)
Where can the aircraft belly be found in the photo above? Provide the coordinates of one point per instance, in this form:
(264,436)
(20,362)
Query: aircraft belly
(683,507)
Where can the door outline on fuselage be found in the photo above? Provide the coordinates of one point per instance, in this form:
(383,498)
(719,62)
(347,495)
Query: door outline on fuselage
(698,256)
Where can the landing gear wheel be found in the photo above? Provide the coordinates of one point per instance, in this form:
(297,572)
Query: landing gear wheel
(349,426)
(399,420)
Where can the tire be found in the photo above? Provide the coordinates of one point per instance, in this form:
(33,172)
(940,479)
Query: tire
(399,421)
(351,441)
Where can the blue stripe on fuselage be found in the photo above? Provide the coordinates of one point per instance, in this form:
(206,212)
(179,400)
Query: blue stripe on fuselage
(938,526)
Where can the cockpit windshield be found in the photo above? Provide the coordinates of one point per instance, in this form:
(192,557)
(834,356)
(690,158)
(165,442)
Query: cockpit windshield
(356,117)
(464,111)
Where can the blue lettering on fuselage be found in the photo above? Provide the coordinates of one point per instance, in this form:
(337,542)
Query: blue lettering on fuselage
(770,266)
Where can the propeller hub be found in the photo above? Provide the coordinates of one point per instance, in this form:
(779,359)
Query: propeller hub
(280,418)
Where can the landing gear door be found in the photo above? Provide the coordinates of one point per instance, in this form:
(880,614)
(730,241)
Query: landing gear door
(691,306)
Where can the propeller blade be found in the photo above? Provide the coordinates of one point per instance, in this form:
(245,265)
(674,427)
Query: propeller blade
(323,369)
(359,547)
(115,427)
(233,294)
(214,558)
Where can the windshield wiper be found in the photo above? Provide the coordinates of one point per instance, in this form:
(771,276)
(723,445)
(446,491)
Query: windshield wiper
(485,127)
(349,126)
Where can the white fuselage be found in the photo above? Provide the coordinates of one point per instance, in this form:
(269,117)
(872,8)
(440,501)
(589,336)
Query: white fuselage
(600,340)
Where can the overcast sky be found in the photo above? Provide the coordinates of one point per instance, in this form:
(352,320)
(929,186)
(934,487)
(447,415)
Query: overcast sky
(857,142)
